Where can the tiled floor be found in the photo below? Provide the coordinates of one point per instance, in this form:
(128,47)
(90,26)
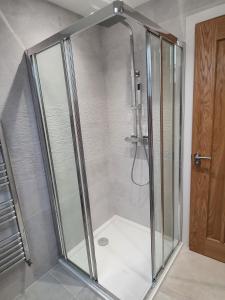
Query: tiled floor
(58,284)
(193,277)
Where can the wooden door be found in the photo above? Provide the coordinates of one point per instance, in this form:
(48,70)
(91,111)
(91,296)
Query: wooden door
(207,217)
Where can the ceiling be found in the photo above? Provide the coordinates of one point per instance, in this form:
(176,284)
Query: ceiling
(86,7)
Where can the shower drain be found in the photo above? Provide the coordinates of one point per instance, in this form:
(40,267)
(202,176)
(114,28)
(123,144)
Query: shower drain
(103,241)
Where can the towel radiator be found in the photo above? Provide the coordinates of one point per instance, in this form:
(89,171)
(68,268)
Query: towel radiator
(13,242)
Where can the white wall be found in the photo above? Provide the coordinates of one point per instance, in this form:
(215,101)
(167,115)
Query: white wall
(171,14)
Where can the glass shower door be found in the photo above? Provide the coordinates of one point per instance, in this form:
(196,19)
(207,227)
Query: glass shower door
(62,153)
(164,81)
(154,71)
(177,142)
(171,150)
(167,111)
(118,192)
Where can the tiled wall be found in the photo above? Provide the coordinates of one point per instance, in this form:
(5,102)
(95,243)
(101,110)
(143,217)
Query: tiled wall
(128,200)
(102,67)
(93,106)
(24,23)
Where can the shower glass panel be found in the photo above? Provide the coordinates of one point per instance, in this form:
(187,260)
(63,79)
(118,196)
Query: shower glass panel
(177,141)
(56,115)
(154,46)
(165,77)
(113,115)
(167,111)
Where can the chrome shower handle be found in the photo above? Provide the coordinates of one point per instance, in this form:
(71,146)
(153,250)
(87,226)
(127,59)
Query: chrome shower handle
(198,158)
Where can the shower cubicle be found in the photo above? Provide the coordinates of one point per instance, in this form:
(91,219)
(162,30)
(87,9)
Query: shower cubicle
(107,95)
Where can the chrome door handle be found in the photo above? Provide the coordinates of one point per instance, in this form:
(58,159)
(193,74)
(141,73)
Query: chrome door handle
(198,158)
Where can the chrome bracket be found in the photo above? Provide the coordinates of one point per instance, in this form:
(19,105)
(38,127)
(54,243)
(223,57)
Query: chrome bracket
(118,7)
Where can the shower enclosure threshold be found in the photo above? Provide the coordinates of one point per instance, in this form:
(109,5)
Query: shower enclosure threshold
(124,266)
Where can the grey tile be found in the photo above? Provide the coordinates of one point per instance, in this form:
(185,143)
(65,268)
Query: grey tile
(42,242)
(46,288)
(193,277)
(67,279)
(15,281)
(88,294)
(162,296)
(40,197)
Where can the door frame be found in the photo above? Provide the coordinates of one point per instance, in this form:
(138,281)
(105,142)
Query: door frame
(191,21)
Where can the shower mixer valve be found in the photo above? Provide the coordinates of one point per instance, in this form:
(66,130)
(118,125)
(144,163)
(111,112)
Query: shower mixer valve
(135,139)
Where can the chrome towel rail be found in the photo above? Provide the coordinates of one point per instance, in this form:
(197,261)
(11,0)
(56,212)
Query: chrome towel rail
(8,202)
(11,250)
(10,242)
(3,222)
(3,171)
(9,264)
(7,215)
(7,208)
(3,177)
(11,256)
(14,248)
(4,184)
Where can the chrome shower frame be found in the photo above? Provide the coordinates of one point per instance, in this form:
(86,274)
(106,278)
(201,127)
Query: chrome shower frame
(117,8)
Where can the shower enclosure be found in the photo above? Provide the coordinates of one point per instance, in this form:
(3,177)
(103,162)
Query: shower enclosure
(107,95)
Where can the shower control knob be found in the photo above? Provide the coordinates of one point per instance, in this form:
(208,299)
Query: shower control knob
(137,73)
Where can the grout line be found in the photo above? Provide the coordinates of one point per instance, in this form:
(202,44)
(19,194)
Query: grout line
(87,287)
(75,297)
(35,281)
(11,30)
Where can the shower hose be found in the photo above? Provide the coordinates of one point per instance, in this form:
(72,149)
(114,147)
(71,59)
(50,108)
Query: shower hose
(136,149)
